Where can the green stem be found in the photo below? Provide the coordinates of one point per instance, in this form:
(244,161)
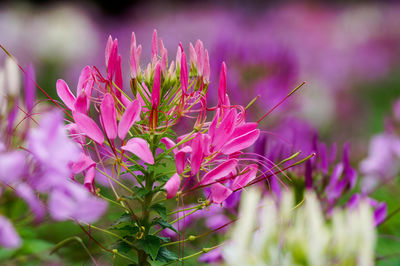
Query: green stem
(116,181)
(71,239)
(204,250)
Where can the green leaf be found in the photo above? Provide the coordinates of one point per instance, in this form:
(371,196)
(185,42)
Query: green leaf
(151,244)
(165,255)
(164,224)
(160,209)
(126,217)
(122,246)
(131,229)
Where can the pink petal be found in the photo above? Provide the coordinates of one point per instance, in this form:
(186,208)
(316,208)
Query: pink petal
(118,78)
(184,73)
(89,127)
(83,79)
(224,129)
(155,94)
(197,154)
(172,186)
(65,94)
(89,179)
(108,116)
(140,148)
(75,133)
(134,59)
(241,181)
(220,171)
(222,85)
(164,59)
(169,143)
(108,48)
(243,129)
(112,60)
(130,116)
(200,54)
(180,159)
(219,193)
(83,163)
(81,103)
(241,142)
(192,55)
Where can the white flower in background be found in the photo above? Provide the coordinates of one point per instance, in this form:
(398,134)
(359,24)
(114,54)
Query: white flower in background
(3,100)
(12,77)
(300,235)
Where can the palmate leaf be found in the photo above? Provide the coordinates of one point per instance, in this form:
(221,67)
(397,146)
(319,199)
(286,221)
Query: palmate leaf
(165,255)
(163,224)
(160,209)
(150,244)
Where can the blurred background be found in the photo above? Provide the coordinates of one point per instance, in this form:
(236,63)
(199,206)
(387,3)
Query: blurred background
(348,52)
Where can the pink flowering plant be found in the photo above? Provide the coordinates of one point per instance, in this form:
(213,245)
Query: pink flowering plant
(130,139)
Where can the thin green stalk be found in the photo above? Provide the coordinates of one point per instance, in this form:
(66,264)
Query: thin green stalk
(204,250)
(116,181)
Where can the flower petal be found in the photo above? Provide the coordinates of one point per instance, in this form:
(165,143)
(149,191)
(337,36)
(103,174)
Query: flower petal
(172,186)
(241,181)
(219,193)
(241,142)
(65,94)
(89,127)
(220,171)
(130,116)
(108,116)
(140,148)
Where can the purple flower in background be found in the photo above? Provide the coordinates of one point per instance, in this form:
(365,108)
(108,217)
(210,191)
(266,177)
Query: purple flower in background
(8,236)
(53,150)
(12,166)
(72,201)
(382,162)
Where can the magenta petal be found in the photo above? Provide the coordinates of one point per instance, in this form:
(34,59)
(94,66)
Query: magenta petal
(130,116)
(89,127)
(83,163)
(154,47)
(140,148)
(243,129)
(89,179)
(197,154)
(108,116)
(134,59)
(219,193)
(241,181)
(65,94)
(224,129)
(81,103)
(8,236)
(172,186)
(222,85)
(84,79)
(220,171)
(180,159)
(169,144)
(241,142)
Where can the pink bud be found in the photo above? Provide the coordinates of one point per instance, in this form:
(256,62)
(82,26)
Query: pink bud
(118,78)
(222,85)
(164,61)
(200,57)
(206,69)
(88,182)
(134,60)
(108,116)
(108,48)
(192,55)
(184,74)
(65,94)
(155,94)
(172,186)
(140,148)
